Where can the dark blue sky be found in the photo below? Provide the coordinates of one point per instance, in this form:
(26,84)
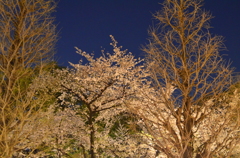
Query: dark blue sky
(87,24)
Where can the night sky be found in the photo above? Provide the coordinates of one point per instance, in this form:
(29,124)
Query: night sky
(87,25)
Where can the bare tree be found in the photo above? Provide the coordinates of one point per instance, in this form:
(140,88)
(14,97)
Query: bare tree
(27,39)
(188,114)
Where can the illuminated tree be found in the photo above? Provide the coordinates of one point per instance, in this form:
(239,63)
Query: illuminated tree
(187,114)
(97,92)
(27,39)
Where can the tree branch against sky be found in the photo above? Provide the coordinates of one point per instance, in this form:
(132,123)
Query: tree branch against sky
(187,115)
(27,40)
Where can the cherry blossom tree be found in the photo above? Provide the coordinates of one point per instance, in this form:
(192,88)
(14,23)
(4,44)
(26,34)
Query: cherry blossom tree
(97,91)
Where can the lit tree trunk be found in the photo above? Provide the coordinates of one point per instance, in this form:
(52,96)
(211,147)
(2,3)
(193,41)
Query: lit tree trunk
(92,131)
